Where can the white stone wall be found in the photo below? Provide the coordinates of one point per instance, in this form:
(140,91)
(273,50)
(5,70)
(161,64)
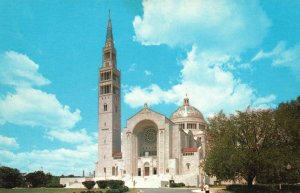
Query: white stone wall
(193,161)
(74,182)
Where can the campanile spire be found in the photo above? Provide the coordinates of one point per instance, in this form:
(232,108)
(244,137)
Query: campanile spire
(109,35)
(109,51)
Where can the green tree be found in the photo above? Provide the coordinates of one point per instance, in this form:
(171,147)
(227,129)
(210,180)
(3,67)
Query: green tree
(242,144)
(38,179)
(54,182)
(285,167)
(10,177)
(288,120)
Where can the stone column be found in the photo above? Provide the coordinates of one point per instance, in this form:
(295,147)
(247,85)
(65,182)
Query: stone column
(128,149)
(161,153)
(134,155)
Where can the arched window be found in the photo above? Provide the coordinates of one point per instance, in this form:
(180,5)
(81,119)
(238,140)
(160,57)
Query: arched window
(105,107)
(188,165)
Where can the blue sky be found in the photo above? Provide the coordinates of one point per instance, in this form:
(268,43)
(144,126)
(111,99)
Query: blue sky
(222,54)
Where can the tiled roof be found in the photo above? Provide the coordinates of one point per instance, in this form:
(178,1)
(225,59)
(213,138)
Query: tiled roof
(189,149)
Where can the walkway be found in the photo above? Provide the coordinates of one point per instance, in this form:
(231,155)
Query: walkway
(178,190)
(165,190)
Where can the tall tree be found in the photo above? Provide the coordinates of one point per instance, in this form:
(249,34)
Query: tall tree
(262,144)
(288,120)
(10,177)
(242,144)
(38,179)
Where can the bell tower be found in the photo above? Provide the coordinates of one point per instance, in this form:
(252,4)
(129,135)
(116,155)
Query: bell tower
(109,108)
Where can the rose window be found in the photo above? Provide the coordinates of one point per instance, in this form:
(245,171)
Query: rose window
(150,135)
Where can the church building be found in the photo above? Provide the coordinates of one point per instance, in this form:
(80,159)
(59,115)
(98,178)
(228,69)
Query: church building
(152,149)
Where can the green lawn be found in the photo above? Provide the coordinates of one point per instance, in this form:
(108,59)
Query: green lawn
(49,190)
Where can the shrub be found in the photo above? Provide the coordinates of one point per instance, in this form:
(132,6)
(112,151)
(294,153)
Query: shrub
(115,184)
(89,191)
(89,184)
(114,191)
(55,186)
(181,184)
(124,189)
(102,184)
(177,185)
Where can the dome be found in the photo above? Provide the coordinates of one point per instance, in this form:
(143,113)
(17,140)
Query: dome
(187,111)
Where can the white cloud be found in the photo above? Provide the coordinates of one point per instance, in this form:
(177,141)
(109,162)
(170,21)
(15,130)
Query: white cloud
(132,67)
(147,72)
(28,106)
(219,31)
(153,95)
(281,56)
(8,142)
(57,161)
(209,87)
(81,136)
(19,70)
(280,47)
(230,26)
(33,107)
(264,102)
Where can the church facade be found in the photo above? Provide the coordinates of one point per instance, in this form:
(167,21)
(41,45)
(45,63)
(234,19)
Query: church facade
(153,148)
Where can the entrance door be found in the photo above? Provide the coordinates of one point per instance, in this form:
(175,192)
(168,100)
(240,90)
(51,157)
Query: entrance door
(147,171)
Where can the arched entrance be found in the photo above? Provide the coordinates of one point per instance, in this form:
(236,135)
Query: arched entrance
(146,169)
(146,133)
(145,147)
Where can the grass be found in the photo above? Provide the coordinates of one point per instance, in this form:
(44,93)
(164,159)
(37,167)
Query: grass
(49,190)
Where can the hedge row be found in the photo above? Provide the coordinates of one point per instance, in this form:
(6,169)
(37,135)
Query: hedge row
(121,190)
(112,184)
(107,191)
(176,185)
(91,191)
(264,188)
